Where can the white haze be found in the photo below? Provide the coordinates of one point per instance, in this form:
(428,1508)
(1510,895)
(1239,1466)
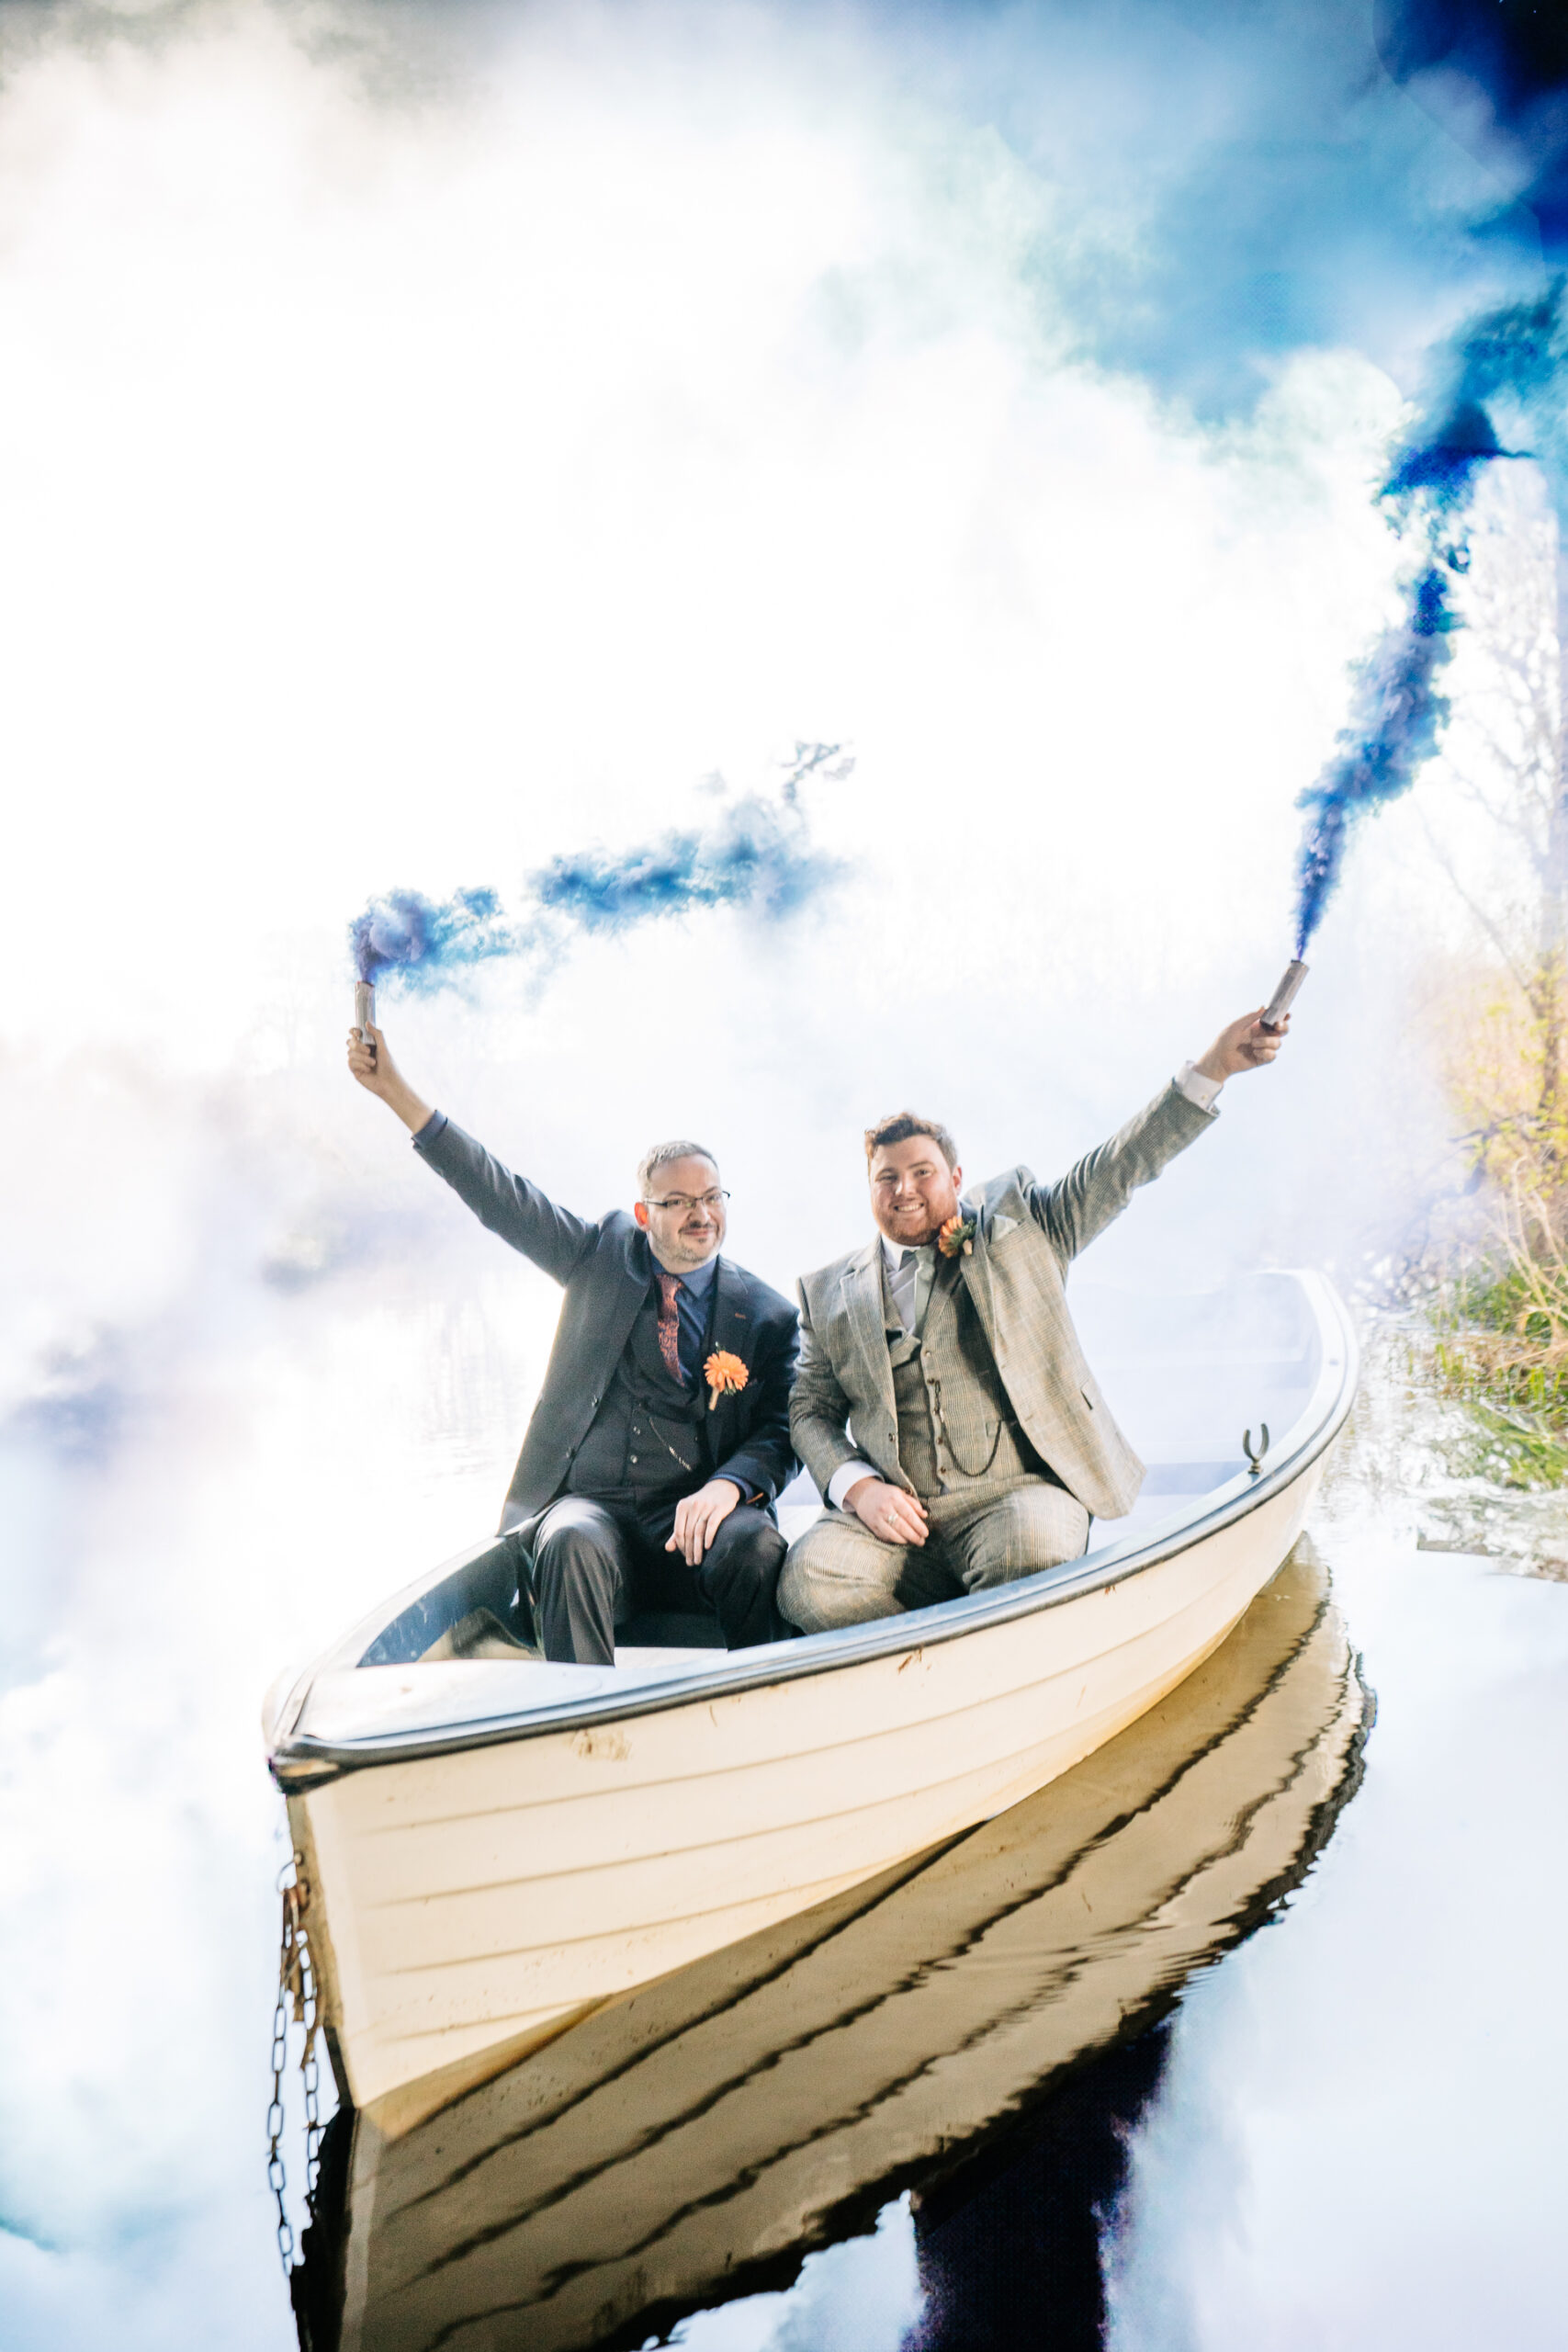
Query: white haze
(1356,2141)
(426,455)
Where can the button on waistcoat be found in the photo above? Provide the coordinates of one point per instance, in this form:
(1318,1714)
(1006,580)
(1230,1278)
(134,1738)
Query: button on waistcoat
(955,1425)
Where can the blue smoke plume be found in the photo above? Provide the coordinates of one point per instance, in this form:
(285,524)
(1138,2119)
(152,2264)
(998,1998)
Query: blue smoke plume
(424,941)
(1510,363)
(756,856)
(1261,184)
(1397,722)
(757,853)
(1229,187)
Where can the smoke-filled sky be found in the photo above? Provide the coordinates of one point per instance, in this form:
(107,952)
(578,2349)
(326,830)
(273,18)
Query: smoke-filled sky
(451,446)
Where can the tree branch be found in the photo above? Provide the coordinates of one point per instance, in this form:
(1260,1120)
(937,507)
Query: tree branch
(1498,938)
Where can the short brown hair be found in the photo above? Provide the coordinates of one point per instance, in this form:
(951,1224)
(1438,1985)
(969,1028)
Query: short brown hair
(900,1127)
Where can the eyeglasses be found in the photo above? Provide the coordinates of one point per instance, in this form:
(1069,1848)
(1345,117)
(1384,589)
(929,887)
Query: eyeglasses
(709,1201)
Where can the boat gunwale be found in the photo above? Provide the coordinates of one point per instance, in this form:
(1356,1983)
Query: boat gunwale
(301,1761)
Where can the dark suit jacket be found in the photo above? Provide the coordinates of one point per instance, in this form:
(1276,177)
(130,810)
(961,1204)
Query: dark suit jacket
(605,1268)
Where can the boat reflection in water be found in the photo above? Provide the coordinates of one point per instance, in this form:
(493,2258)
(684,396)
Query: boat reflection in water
(693,2142)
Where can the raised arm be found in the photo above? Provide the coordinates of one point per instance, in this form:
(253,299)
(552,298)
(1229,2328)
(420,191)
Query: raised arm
(526,1219)
(1082,1203)
(379,1074)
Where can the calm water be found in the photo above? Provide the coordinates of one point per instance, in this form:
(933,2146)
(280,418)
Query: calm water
(1249,2032)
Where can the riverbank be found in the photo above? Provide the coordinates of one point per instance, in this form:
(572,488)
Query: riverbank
(1429,1456)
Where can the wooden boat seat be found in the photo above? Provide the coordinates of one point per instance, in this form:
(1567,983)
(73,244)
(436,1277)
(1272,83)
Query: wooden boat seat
(668,1629)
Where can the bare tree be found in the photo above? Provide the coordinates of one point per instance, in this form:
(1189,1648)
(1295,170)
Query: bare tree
(1508,756)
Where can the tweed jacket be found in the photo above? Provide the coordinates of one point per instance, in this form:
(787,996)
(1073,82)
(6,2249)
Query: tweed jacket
(1027,1235)
(606,1266)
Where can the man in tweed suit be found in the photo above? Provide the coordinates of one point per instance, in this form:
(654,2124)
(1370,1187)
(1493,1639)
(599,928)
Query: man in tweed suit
(944,1404)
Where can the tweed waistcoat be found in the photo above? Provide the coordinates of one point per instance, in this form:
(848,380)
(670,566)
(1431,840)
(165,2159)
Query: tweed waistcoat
(955,1427)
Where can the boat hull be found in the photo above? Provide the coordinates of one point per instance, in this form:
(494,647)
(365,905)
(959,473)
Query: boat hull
(468,1905)
(679,2146)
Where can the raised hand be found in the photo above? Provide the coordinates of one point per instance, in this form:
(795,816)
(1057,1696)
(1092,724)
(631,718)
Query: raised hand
(1246,1044)
(368,1063)
(376,1070)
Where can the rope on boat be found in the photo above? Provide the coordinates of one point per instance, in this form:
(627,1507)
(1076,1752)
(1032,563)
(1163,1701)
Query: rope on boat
(296,1999)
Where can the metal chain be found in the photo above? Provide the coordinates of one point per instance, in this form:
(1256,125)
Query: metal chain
(296,1998)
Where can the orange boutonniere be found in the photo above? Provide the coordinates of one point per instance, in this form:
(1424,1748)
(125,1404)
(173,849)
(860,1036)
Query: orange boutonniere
(957,1234)
(727,1375)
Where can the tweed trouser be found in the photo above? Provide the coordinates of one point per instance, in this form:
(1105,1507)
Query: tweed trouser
(838,1573)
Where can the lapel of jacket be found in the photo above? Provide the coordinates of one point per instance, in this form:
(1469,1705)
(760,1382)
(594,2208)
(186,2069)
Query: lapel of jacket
(730,1328)
(861,1286)
(944,1290)
(976,1272)
(630,1291)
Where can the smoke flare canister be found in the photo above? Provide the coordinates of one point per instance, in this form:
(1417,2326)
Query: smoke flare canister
(364,1010)
(1285,994)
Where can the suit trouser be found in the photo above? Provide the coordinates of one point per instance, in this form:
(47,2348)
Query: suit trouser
(841,1573)
(596,1563)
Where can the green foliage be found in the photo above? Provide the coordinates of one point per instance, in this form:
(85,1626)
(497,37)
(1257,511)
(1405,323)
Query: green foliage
(1500,1344)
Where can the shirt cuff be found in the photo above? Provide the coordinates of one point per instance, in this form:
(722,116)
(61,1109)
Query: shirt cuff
(432,1127)
(848,1475)
(1200,1092)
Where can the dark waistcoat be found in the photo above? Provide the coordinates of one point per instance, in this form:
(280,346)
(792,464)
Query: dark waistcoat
(649,1436)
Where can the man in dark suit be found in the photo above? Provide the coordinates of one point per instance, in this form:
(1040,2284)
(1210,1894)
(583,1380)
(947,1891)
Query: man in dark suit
(660,1436)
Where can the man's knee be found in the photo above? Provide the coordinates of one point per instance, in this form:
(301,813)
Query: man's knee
(839,1574)
(579,1581)
(575,1539)
(746,1550)
(738,1577)
(1037,1527)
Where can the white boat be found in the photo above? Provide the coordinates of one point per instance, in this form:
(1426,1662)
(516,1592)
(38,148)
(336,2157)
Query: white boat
(691,2143)
(493,1846)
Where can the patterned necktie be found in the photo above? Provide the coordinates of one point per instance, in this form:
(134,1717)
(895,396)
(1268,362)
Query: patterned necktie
(669,1325)
(903,1284)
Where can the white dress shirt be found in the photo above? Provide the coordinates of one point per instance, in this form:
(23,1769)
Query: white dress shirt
(910,1272)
